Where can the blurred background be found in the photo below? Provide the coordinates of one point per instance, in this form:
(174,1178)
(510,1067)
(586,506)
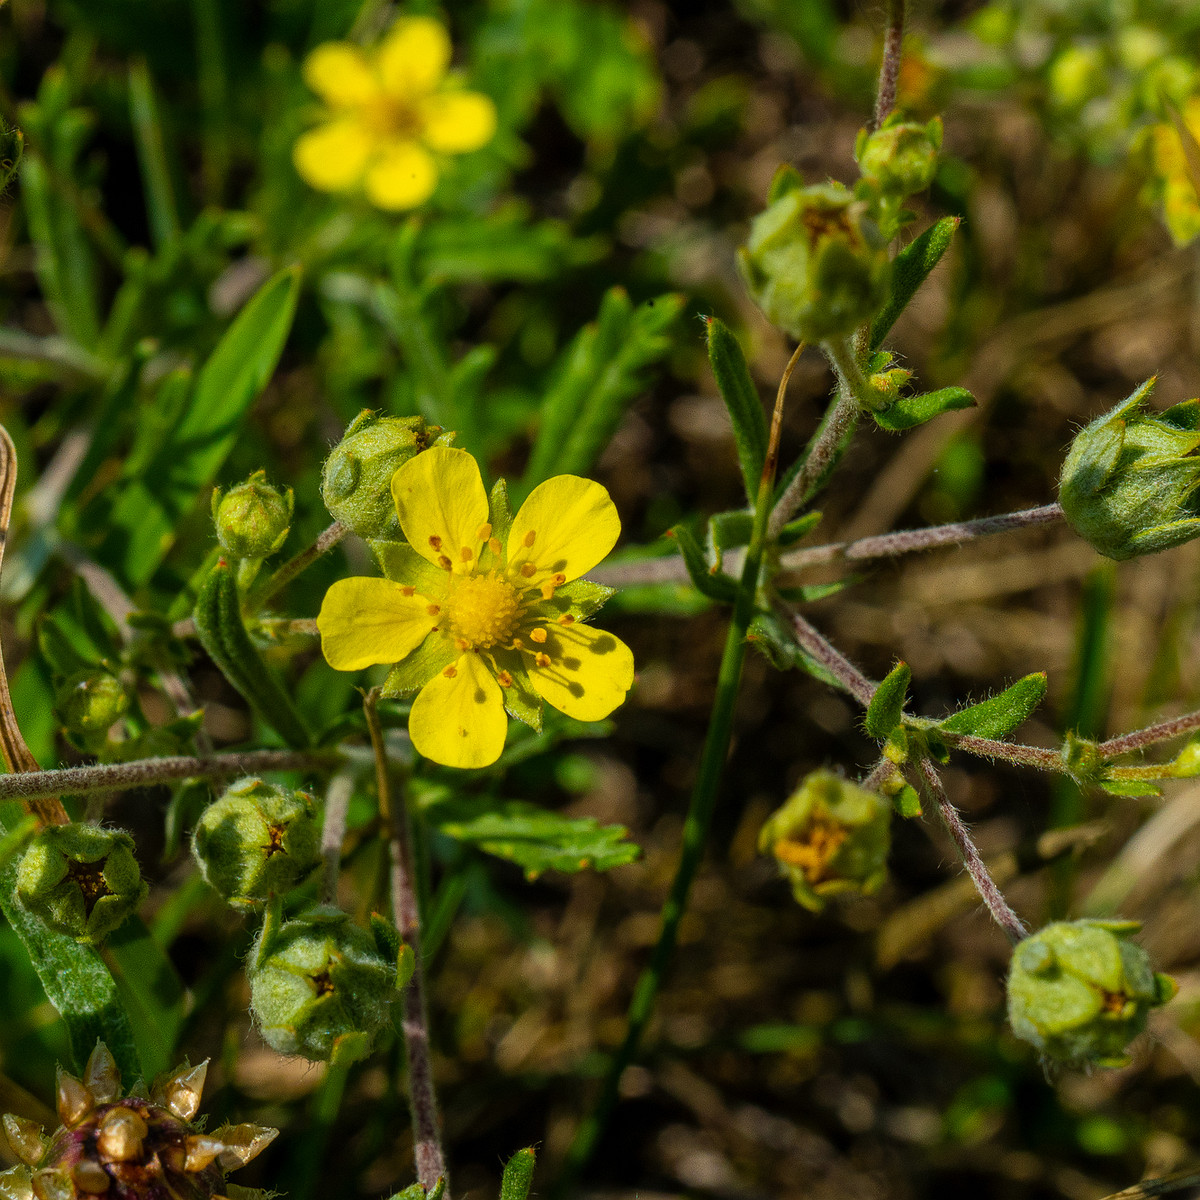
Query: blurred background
(861,1053)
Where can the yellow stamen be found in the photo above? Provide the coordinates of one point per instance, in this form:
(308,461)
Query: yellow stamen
(445,563)
(504,679)
(542,660)
(483,610)
(485,532)
(435,541)
(408,591)
(494,546)
(466,554)
(433,609)
(537,635)
(547,591)
(450,672)
(462,643)
(529,538)
(566,619)
(528,569)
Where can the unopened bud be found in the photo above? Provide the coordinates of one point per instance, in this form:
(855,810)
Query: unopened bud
(90,702)
(900,157)
(1129,481)
(256,841)
(253,518)
(830,838)
(1080,991)
(80,879)
(815,263)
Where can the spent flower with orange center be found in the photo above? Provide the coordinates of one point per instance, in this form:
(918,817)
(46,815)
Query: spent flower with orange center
(391,110)
(483,613)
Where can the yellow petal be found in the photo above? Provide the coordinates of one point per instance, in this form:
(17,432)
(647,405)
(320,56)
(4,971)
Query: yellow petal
(402,176)
(459,720)
(456,122)
(566,527)
(368,621)
(341,75)
(413,57)
(589,672)
(441,505)
(331,157)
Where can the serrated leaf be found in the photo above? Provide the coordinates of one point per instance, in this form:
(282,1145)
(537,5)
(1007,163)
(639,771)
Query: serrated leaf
(910,411)
(707,580)
(999,716)
(531,837)
(910,269)
(887,704)
(741,401)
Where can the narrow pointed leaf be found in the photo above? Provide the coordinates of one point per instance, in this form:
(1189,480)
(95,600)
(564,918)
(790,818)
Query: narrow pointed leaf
(909,270)
(910,411)
(887,705)
(999,716)
(742,402)
(518,1175)
(706,580)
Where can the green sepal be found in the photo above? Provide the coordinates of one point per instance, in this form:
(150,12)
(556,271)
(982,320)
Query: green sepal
(910,269)
(793,531)
(1130,787)
(727,530)
(742,402)
(218,618)
(400,563)
(895,746)
(387,937)
(500,515)
(418,667)
(581,599)
(930,743)
(910,411)
(521,700)
(907,802)
(999,716)
(518,1175)
(887,704)
(706,579)
(406,964)
(786,179)
(768,634)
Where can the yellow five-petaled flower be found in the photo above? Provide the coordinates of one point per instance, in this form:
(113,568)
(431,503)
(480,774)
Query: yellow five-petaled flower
(391,109)
(1177,174)
(483,612)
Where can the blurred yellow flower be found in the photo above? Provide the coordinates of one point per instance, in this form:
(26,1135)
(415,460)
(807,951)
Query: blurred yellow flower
(482,612)
(1177,177)
(391,110)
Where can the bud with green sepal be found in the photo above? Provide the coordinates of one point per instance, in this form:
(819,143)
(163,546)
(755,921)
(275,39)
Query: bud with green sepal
(90,702)
(900,157)
(815,263)
(253,518)
(830,838)
(356,483)
(1129,481)
(320,983)
(81,880)
(1080,991)
(257,840)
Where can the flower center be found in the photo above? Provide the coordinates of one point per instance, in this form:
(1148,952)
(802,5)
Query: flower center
(387,117)
(484,610)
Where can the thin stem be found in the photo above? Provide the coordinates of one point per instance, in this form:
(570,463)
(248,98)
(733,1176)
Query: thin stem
(1141,738)
(427,1146)
(883,771)
(889,68)
(150,772)
(699,816)
(333,831)
(985,885)
(300,562)
(1012,752)
(832,659)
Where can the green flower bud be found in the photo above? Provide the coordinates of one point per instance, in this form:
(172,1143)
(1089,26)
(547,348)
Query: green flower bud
(900,157)
(253,518)
(257,840)
(815,263)
(830,838)
(80,879)
(356,483)
(1080,991)
(90,702)
(319,980)
(1078,74)
(1129,480)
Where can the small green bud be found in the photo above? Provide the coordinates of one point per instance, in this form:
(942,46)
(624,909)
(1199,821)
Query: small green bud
(1080,991)
(90,702)
(253,518)
(831,837)
(1077,75)
(319,980)
(356,483)
(900,157)
(885,385)
(815,263)
(80,879)
(1129,480)
(257,840)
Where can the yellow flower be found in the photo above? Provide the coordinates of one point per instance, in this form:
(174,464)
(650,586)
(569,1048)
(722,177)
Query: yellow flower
(1176,176)
(483,612)
(390,110)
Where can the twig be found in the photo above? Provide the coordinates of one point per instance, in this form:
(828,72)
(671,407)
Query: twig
(150,772)
(889,68)
(325,542)
(427,1146)
(333,831)
(985,885)
(1139,739)
(1013,752)
(884,770)
(832,659)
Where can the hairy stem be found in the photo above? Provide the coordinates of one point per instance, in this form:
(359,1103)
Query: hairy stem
(427,1144)
(333,831)
(831,658)
(1151,735)
(889,68)
(985,885)
(1011,752)
(298,563)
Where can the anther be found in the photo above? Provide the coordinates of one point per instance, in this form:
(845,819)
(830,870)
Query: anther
(559,579)
(450,672)
(528,570)
(517,644)
(542,660)
(529,538)
(73,1100)
(504,679)
(466,554)
(408,591)
(433,609)
(547,591)
(444,562)
(485,532)
(461,644)
(494,546)
(537,635)
(435,541)
(566,619)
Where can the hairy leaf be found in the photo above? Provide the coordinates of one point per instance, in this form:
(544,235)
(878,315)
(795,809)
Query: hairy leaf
(742,402)
(999,716)
(909,270)
(887,705)
(910,411)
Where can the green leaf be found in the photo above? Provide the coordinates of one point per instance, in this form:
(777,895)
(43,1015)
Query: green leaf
(999,716)
(772,637)
(887,705)
(786,179)
(907,802)
(801,527)
(910,411)
(707,580)
(531,837)
(909,270)
(1130,787)
(518,1175)
(742,401)
(597,377)
(218,617)
(727,530)
(145,515)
